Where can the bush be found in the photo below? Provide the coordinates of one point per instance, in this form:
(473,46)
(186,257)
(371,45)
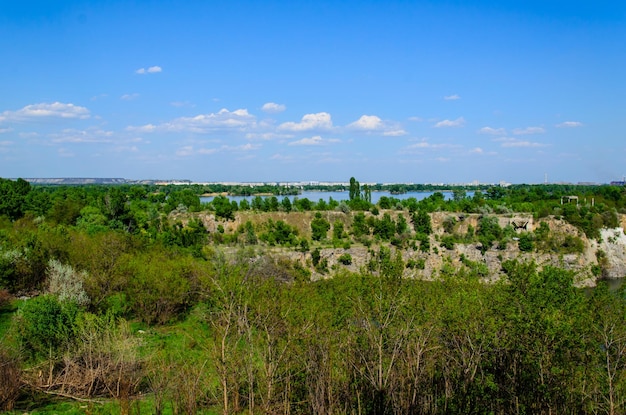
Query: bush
(448,242)
(416,263)
(46,325)
(448,224)
(526,243)
(345,259)
(66,283)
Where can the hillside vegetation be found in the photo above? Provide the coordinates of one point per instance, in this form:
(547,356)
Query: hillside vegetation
(141,299)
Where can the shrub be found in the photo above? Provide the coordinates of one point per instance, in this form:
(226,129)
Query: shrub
(416,263)
(46,325)
(526,243)
(448,224)
(448,242)
(345,259)
(66,283)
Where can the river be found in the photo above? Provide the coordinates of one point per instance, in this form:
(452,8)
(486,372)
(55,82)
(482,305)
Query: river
(315,196)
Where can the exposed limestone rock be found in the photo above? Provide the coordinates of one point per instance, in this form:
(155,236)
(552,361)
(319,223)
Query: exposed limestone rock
(612,245)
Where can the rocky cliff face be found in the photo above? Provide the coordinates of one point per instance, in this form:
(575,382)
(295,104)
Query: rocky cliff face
(607,255)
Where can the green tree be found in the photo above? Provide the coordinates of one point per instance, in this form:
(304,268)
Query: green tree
(13,196)
(338,232)
(223,208)
(355,190)
(286,204)
(319,227)
(422,223)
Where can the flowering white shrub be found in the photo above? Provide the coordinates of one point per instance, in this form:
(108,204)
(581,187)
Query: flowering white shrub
(67,283)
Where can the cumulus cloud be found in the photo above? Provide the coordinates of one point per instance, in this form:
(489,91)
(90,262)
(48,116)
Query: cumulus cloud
(313,141)
(129,97)
(476,150)
(570,124)
(514,142)
(452,97)
(373,123)
(367,122)
(46,110)
(492,131)
(273,108)
(152,69)
(222,120)
(416,119)
(459,122)
(318,121)
(529,130)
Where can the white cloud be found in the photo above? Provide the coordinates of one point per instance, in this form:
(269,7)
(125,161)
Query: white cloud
(91,135)
(367,122)
(318,121)
(187,151)
(394,133)
(148,128)
(273,108)
(222,120)
(45,110)
(374,123)
(416,119)
(5,130)
(267,136)
(509,142)
(152,69)
(459,122)
(476,150)
(570,124)
(6,143)
(492,131)
(313,141)
(129,97)
(529,130)
(425,145)
(243,147)
(452,97)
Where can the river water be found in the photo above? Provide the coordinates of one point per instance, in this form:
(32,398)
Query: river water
(315,196)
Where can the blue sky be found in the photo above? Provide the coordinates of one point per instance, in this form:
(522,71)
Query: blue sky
(386,91)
